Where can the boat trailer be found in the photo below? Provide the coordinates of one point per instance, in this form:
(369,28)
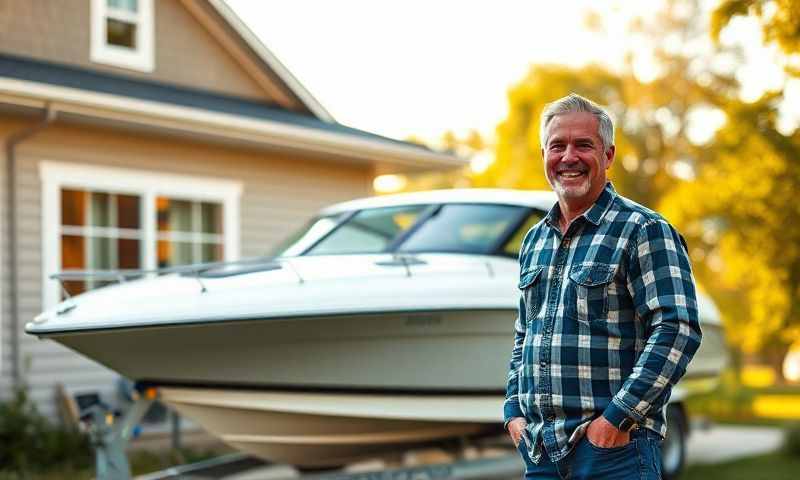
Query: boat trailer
(110,437)
(240,466)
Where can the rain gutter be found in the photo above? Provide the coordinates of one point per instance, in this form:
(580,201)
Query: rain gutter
(13,141)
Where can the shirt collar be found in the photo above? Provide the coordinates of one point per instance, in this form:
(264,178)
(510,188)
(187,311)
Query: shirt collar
(593,214)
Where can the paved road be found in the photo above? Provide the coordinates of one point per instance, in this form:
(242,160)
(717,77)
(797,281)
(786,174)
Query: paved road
(721,443)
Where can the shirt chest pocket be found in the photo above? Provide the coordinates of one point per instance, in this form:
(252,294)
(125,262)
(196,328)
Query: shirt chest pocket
(586,297)
(530,285)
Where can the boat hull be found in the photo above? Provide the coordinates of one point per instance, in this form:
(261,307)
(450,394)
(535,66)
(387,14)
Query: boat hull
(326,429)
(411,351)
(434,351)
(414,376)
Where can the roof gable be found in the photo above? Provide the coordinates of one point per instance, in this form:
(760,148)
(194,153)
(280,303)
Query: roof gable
(199,44)
(222,23)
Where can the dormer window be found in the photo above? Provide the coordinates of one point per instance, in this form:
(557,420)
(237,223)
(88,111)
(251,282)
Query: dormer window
(123,33)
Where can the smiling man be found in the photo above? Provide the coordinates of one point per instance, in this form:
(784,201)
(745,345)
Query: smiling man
(607,315)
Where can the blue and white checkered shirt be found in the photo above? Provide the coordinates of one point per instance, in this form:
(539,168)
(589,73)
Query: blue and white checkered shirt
(607,323)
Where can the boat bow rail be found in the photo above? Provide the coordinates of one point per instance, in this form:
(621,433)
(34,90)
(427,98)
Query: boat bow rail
(267,287)
(197,270)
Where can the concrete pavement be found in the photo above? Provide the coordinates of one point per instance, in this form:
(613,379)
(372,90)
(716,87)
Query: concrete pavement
(711,444)
(720,443)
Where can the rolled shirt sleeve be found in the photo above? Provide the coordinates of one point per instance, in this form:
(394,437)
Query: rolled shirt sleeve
(662,288)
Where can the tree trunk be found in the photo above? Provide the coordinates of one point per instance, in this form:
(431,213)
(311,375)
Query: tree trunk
(774,354)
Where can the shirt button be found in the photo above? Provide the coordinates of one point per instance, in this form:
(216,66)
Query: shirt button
(543,364)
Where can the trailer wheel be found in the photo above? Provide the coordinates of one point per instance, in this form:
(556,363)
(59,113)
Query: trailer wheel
(673,450)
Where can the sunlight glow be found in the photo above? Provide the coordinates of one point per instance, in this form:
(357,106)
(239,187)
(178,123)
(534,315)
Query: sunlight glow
(630,162)
(681,169)
(389,183)
(481,161)
(777,406)
(370,73)
(704,121)
(791,365)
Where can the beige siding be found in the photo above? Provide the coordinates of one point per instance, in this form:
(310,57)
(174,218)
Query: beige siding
(279,194)
(186,54)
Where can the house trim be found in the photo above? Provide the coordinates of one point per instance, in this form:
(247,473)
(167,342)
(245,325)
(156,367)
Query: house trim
(273,84)
(271,60)
(143,57)
(217,124)
(148,184)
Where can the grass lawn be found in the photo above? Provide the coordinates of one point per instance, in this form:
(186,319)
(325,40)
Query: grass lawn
(142,462)
(777,466)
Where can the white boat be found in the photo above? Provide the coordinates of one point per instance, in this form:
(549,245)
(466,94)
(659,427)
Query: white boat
(387,322)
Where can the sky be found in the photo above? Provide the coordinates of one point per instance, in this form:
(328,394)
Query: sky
(419,68)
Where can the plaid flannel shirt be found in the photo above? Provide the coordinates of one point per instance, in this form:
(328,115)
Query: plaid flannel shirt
(607,323)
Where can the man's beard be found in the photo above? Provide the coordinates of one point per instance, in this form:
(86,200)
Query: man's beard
(572,191)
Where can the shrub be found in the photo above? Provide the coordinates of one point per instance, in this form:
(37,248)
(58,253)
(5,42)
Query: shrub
(30,442)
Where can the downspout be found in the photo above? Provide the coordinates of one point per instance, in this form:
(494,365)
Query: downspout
(11,224)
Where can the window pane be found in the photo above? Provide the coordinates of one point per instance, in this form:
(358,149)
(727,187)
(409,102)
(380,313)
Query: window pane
(100,254)
(129,5)
(86,248)
(514,244)
(99,210)
(369,231)
(73,207)
(73,287)
(72,252)
(463,228)
(211,252)
(171,254)
(128,215)
(174,215)
(128,253)
(121,34)
(211,217)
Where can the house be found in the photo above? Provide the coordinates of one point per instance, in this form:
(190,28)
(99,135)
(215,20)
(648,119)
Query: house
(145,134)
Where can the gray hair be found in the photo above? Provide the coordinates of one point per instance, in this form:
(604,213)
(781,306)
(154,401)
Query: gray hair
(575,103)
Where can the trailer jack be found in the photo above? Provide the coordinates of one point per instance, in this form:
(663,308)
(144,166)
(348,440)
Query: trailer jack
(110,436)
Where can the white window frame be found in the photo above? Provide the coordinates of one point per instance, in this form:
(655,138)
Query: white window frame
(148,185)
(143,57)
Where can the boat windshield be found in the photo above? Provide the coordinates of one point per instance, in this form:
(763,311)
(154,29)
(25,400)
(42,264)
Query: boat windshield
(464,228)
(369,231)
(458,228)
(299,242)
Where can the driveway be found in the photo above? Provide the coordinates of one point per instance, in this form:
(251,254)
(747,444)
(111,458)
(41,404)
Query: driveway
(712,444)
(720,443)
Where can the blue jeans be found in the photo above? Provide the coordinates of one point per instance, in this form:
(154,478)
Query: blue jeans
(640,459)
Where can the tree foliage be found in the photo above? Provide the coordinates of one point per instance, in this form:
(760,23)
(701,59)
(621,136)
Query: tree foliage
(744,225)
(731,194)
(780,19)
